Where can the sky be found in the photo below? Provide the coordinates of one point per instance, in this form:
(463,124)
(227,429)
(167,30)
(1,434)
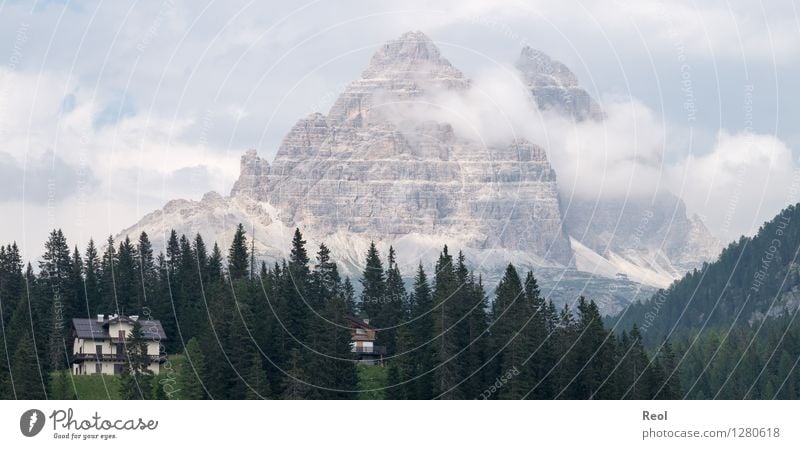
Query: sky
(108,109)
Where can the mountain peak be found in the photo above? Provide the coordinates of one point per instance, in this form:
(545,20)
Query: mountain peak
(540,70)
(412,54)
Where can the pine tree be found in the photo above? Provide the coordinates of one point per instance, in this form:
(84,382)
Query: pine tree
(201,258)
(215,264)
(670,388)
(350,296)
(28,376)
(57,292)
(446,314)
(257,380)
(108,267)
(237,255)
(173,253)
(296,386)
(477,339)
(373,283)
(147,279)
(76,305)
(296,284)
(125,279)
(193,371)
(634,384)
(392,309)
(594,353)
(509,336)
(92,274)
(422,333)
(136,379)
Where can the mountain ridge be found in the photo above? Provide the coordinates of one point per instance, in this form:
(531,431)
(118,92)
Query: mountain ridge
(357,174)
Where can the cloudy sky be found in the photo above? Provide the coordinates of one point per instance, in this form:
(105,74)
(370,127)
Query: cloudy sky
(108,110)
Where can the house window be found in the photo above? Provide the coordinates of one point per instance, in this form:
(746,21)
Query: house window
(121,334)
(117,368)
(98,368)
(98,350)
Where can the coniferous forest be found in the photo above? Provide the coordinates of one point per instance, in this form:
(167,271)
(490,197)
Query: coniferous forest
(239,329)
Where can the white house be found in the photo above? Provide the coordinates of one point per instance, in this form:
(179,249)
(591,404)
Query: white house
(99,344)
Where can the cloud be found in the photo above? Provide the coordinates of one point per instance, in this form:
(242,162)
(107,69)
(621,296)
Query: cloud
(196,86)
(616,157)
(745,180)
(44,179)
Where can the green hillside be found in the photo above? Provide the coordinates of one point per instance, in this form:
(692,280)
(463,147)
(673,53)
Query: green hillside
(753,278)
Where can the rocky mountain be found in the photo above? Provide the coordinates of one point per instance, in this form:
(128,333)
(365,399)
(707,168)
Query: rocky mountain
(651,240)
(554,86)
(363,172)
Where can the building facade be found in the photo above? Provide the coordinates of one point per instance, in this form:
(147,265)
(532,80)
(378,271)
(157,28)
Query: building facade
(362,337)
(99,345)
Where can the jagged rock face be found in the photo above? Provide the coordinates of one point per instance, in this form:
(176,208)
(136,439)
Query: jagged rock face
(359,170)
(656,228)
(654,231)
(554,86)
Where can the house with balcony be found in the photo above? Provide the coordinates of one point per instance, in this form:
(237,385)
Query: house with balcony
(362,337)
(99,344)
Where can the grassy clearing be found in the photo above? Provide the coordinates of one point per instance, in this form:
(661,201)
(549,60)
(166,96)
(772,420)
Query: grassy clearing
(369,378)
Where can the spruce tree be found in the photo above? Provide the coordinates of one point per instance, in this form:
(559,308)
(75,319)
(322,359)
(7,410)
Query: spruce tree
(671,386)
(29,377)
(58,296)
(92,274)
(147,279)
(422,332)
(173,253)
(390,311)
(136,379)
(125,279)
(257,380)
(108,267)
(510,344)
(193,370)
(238,258)
(446,314)
(77,305)
(373,284)
(214,269)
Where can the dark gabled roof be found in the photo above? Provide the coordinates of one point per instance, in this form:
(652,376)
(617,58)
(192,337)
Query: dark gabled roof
(360,323)
(89,328)
(152,330)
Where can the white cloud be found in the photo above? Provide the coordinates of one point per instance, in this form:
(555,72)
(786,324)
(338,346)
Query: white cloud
(735,186)
(745,180)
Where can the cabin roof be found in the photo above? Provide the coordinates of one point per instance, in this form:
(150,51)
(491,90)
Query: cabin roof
(360,323)
(89,328)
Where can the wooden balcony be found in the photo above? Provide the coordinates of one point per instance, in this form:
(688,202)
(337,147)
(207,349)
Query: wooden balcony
(377,350)
(93,357)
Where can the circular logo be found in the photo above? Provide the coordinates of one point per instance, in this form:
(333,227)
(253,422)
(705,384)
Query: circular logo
(31,422)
